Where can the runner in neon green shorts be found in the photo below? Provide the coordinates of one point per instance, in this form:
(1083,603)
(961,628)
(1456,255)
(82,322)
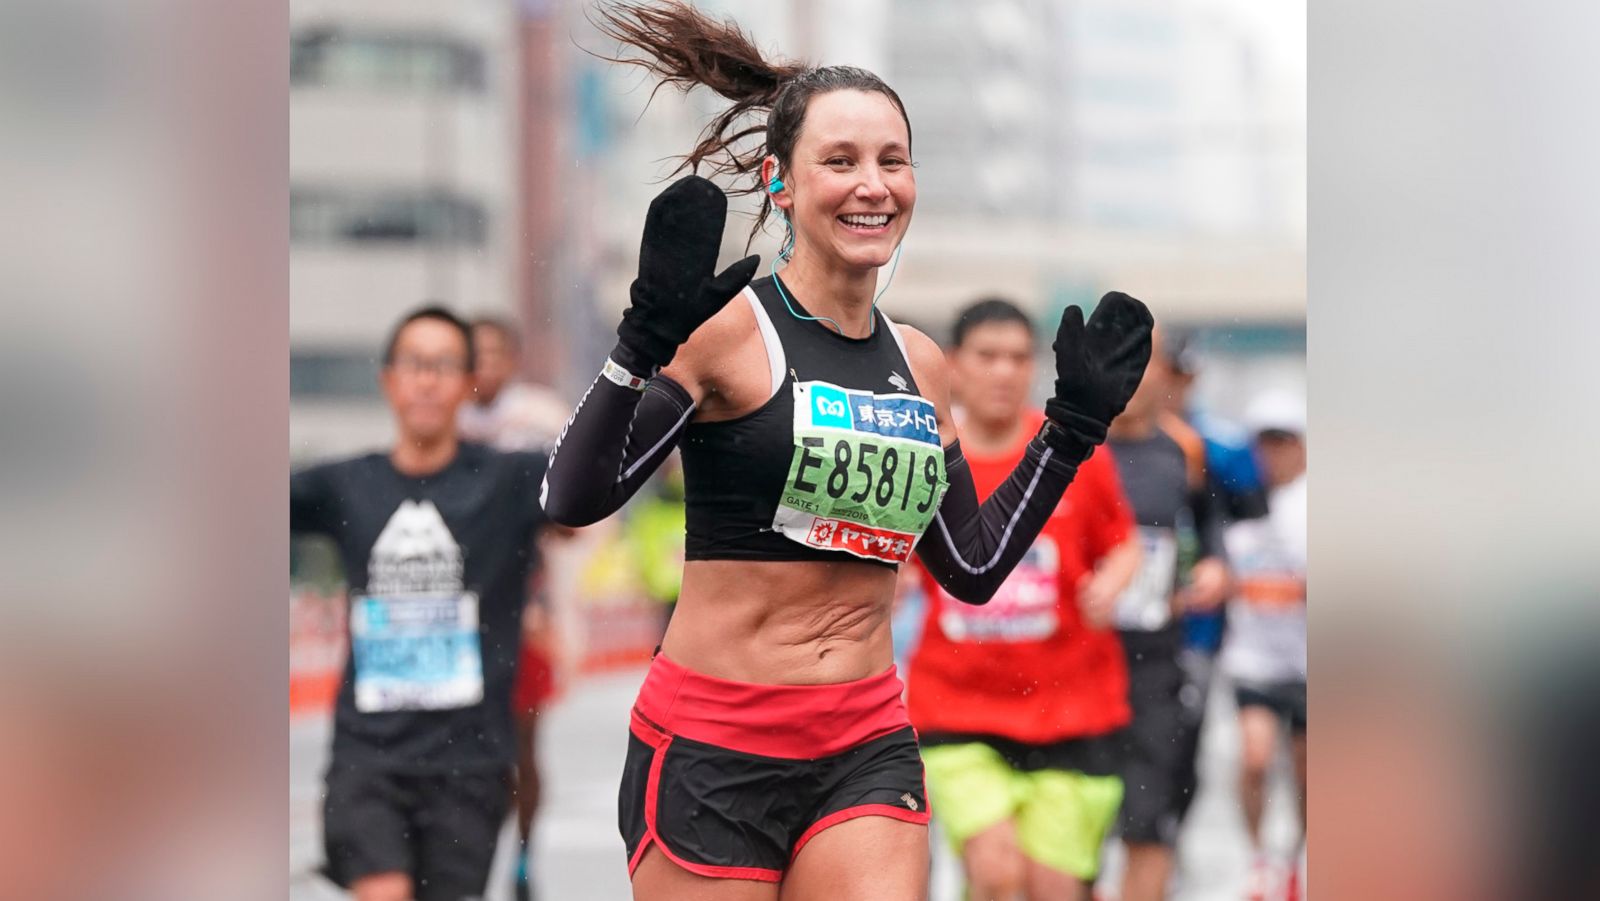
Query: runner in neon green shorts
(1058,817)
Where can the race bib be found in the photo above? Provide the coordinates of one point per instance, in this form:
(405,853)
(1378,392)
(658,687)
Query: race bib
(1265,572)
(866,474)
(1024,609)
(416,652)
(1146,604)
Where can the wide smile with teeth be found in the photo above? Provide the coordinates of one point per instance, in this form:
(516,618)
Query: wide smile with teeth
(866,221)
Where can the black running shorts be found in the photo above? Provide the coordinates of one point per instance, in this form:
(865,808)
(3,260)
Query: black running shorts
(1157,748)
(439,829)
(1286,699)
(731,780)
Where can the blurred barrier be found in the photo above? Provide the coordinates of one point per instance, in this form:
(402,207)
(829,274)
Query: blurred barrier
(317,645)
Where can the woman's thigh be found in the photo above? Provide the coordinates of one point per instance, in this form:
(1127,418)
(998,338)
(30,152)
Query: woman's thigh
(659,879)
(869,858)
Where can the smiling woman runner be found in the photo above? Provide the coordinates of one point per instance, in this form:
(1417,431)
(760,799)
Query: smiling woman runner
(769,742)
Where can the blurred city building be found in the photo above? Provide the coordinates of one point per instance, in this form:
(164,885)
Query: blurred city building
(477,152)
(403,135)
(1064,148)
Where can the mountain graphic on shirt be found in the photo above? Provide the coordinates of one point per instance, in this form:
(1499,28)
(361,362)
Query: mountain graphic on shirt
(415,552)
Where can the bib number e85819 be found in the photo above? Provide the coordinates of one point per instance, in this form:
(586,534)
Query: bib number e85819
(866,474)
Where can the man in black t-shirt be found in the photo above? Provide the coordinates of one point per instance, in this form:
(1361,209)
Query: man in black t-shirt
(435,538)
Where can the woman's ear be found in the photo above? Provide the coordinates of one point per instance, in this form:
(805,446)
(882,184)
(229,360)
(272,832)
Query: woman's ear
(770,180)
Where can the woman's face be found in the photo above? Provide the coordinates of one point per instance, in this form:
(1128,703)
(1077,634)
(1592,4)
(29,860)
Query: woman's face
(849,189)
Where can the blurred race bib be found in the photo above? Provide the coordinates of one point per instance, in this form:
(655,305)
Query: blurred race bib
(1146,604)
(416,652)
(1024,609)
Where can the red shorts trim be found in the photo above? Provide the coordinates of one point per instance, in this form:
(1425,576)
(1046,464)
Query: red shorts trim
(790,721)
(850,813)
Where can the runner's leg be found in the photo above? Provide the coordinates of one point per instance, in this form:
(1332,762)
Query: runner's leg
(1149,869)
(382,887)
(527,791)
(1259,727)
(872,857)
(1299,747)
(1049,884)
(659,879)
(994,863)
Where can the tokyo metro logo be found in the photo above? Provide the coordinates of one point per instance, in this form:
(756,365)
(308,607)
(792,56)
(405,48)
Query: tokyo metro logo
(830,407)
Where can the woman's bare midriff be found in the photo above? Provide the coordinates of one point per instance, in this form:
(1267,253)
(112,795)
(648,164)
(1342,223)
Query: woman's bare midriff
(783,623)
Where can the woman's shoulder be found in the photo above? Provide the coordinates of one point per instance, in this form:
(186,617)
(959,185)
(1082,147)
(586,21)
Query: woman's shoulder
(923,354)
(736,321)
(715,358)
(918,344)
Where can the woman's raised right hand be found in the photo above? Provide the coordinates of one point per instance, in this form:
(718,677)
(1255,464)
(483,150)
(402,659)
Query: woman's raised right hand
(678,288)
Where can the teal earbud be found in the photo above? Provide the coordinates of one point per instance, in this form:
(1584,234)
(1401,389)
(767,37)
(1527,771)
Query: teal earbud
(775,185)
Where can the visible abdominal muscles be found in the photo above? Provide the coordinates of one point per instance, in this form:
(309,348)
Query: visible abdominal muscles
(783,623)
(825,626)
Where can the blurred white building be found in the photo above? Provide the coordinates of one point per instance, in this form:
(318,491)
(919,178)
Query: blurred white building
(472,152)
(1064,147)
(403,127)
(1070,147)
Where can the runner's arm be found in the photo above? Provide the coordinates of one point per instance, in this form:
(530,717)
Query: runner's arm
(615,440)
(970,548)
(312,500)
(633,414)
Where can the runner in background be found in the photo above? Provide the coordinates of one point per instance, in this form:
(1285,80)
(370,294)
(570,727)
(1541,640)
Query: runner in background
(436,539)
(507,414)
(1265,651)
(510,415)
(1234,491)
(1167,487)
(1015,701)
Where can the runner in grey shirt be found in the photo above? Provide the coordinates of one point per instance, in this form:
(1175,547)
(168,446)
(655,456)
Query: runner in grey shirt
(1167,491)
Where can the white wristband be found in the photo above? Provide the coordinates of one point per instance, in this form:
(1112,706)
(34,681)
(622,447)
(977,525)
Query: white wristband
(620,376)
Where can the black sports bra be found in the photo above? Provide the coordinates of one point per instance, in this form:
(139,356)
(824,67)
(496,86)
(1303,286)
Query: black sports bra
(844,458)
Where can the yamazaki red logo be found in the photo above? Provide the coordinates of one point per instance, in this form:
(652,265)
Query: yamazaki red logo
(883,544)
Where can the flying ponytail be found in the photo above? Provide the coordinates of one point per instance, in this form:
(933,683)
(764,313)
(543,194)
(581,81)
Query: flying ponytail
(684,47)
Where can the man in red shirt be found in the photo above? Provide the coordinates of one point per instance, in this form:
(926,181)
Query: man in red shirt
(1014,701)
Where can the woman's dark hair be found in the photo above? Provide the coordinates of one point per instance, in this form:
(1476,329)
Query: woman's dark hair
(437,313)
(986,311)
(684,47)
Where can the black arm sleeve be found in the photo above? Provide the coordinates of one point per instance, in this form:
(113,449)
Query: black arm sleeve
(615,440)
(970,549)
(312,500)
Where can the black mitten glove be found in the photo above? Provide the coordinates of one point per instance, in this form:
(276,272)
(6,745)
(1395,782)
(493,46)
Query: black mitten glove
(1098,366)
(678,289)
